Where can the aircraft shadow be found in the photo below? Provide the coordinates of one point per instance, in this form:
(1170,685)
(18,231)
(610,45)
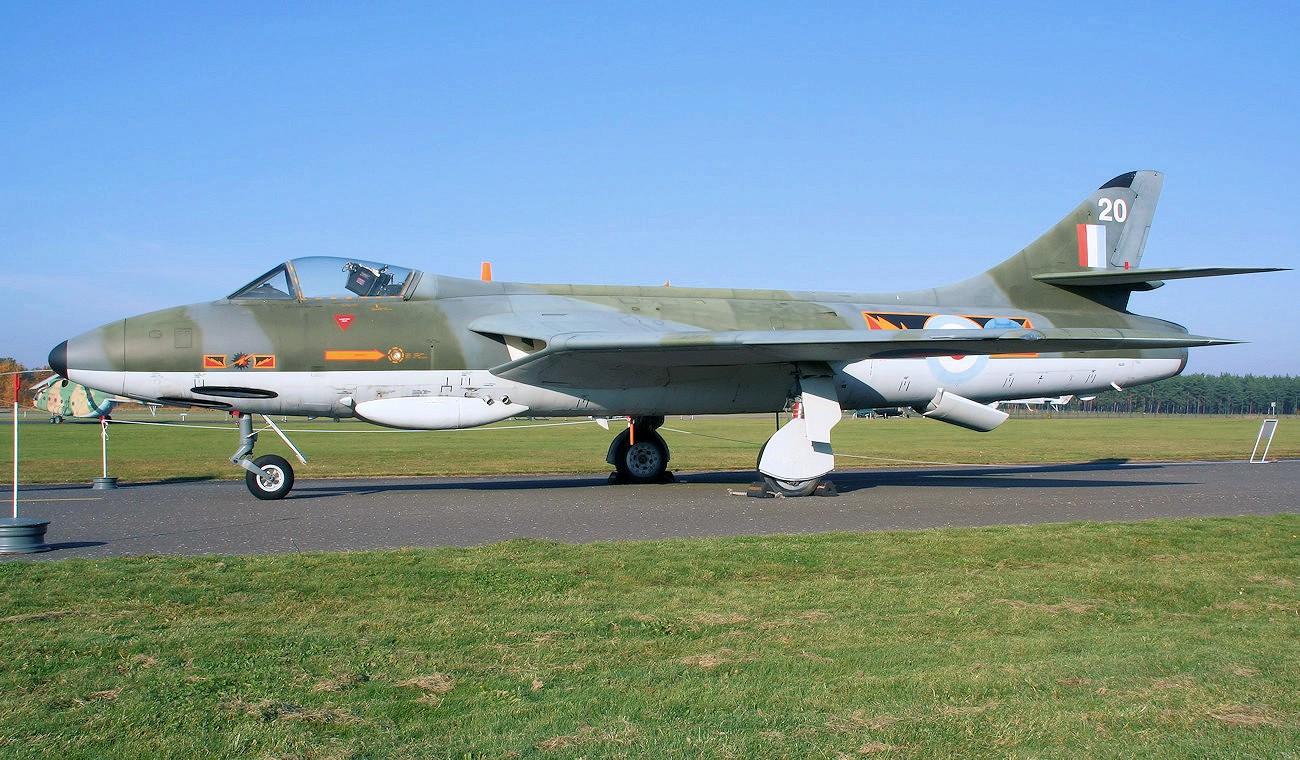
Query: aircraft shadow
(846,481)
(27,489)
(179,480)
(303,491)
(994,476)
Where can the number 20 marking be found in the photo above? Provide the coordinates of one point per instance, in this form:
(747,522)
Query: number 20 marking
(1113,210)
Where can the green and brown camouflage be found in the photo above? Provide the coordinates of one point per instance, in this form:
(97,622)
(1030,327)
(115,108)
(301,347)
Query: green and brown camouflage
(398,347)
(63,399)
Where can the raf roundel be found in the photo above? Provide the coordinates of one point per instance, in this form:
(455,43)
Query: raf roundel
(957,368)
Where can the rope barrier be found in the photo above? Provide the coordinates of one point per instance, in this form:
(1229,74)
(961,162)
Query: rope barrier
(715,437)
(838,453)
(918,461)
(188,426)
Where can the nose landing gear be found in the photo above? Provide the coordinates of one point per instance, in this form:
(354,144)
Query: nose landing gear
(269,476)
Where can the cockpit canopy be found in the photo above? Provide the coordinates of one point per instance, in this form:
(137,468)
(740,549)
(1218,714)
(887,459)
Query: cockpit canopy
(330,277)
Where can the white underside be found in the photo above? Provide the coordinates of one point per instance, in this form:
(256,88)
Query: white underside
(894,382)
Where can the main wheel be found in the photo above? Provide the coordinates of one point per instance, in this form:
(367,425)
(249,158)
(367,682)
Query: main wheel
(275,487)
(787,487)
(791,487)
(645,461)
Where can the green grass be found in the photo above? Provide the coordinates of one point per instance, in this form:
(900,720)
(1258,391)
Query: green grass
(1154,639)
(71,452)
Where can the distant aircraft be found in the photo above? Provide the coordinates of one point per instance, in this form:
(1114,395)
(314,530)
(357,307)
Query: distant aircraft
(401,348)
(63,398)
(1056,402)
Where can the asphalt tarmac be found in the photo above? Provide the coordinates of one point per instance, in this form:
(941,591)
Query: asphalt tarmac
(221,517)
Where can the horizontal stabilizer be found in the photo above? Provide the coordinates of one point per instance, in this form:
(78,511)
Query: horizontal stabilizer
(1139,277)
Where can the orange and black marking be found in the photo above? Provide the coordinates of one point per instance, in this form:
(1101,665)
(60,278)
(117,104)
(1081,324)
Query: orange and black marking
(909,321)
(917,321)
(239,361)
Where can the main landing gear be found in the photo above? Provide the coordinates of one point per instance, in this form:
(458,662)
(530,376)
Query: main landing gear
(269,476)
(796,457)
(792,462)
(639,454)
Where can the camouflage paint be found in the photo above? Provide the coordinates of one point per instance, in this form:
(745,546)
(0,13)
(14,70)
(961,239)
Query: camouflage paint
(449,336)
(64,398)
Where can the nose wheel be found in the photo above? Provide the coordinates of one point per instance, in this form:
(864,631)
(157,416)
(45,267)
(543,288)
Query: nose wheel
(275,479)
(269,477)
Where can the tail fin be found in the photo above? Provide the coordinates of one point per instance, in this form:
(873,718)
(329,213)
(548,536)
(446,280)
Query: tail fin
(1091,257)
(1081,272)
(1103,235)
(1107,231)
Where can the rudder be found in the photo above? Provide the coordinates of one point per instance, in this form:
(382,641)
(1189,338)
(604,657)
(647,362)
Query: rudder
(1107,231)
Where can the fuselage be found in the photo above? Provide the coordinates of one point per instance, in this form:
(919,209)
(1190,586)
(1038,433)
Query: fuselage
(259,352)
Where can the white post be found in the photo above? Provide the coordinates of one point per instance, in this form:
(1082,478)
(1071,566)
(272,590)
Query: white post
(104,447)
(16,378)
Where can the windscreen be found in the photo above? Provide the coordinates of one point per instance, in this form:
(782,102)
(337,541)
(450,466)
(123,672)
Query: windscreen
(329,277)
(274,285)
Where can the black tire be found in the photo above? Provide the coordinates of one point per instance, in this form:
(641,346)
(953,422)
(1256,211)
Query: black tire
(275,488)
(645,461)
(789,488)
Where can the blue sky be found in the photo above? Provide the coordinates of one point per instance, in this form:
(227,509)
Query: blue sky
(163,153)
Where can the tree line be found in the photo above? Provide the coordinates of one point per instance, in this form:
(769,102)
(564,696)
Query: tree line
(1203,394)
(12,372)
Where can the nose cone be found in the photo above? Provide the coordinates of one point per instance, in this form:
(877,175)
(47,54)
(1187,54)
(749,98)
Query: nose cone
(100,350)
(59,359)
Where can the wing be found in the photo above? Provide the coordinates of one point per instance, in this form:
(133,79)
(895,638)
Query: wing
(625,358)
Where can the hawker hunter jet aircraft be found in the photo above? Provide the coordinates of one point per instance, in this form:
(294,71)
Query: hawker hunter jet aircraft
(406,349)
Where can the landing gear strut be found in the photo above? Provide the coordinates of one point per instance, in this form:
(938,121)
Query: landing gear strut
(269,477)
(796,457)
(639,454)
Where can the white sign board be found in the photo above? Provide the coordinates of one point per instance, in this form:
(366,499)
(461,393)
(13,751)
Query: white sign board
(1266,437)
